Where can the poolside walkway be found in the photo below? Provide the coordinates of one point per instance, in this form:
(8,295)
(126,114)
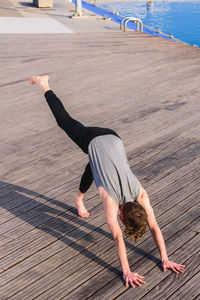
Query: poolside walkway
(22,16)
(147,89)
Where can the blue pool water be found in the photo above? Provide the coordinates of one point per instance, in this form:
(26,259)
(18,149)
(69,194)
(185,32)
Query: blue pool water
(182,19)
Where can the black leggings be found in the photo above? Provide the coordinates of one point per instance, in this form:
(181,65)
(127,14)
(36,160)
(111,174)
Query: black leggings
(79,133)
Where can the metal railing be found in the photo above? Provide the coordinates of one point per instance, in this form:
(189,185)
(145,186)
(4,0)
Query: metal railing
(124,22)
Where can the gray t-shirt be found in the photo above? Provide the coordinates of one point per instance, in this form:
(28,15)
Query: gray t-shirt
(111,169)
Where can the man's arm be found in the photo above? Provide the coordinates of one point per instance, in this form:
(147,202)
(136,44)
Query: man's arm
(157,234)
(111,213)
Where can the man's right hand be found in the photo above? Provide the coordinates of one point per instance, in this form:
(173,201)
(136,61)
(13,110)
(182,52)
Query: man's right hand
(133,278)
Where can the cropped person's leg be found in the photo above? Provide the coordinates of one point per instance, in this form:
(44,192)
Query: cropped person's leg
(74,129)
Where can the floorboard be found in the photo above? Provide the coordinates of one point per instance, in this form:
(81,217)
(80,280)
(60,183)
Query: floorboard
(145,88)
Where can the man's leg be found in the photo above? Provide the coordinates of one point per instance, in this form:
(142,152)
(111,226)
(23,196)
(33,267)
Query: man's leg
(73,128)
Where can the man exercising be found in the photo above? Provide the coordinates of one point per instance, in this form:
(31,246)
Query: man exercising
(117,186)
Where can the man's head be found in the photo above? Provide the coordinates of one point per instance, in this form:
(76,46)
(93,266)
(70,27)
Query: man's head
(134,218)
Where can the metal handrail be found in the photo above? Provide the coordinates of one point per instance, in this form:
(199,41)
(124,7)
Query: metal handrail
(122,21)
(125,21)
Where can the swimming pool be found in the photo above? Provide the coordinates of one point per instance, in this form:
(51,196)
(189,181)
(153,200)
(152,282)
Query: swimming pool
(182,19)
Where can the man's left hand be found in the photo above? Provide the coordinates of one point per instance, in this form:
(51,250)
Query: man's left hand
(167,264)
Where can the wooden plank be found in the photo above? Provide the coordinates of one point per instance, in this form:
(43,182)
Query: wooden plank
(28,215)
(180,172)
(40,170)
(195,226)
(183,193)
(153,279)
(56,248)
(163,200)
(114,289)
(171,139)
(168,287)
(90,285)
(17,202)
(40,162)
(6,201)
(169,148)
(45,136)
(4,240)
(35,182)
(64,232)
(168,165)
(159,208)
(143,122)
(190,290)
(20,197)
(178,223)
(38,151)
(87,283)
(105,280)
(21,209)
(172,177)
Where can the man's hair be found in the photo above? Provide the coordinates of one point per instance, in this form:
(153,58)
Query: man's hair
(135,220)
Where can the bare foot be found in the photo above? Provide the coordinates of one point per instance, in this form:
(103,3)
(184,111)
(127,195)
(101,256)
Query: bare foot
(41,81)
(82,211)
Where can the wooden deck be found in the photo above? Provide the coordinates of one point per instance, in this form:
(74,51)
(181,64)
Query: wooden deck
(148,90)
